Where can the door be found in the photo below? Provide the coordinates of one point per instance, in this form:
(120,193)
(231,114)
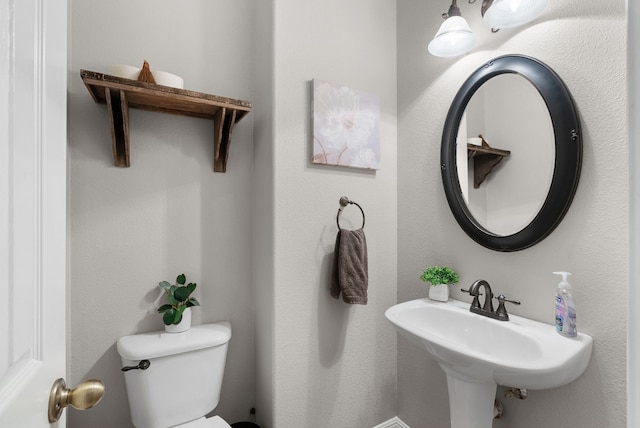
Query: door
(33,65)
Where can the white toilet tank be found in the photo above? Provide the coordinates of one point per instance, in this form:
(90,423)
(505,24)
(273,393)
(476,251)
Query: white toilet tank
(184,377)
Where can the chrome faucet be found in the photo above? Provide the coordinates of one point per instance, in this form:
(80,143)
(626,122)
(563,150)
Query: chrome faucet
(487,307)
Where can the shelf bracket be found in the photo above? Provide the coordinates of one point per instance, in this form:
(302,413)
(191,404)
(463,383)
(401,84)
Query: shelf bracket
(118,109)
(223,121)
(485,158)
(482,167)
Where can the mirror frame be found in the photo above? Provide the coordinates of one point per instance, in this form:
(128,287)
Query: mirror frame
(568,152)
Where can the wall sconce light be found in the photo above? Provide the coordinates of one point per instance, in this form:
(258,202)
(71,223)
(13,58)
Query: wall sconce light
(456,38)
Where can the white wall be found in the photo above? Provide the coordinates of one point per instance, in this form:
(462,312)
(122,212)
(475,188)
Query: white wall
(169,213)
(318,361)
(263,211)
(633,76)
(322,363)
(583,41)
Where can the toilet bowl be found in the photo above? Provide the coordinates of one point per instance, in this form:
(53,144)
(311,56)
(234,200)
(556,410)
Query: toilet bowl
(175,379)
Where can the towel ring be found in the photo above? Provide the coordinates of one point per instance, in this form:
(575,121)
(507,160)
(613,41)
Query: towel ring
(344,201)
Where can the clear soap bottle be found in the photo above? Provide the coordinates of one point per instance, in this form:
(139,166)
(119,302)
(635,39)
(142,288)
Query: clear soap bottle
(565,308)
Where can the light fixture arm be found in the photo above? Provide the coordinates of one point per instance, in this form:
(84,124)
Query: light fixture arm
(486,4)
(454,10)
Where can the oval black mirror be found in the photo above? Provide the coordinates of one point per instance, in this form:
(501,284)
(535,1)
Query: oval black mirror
(565,165)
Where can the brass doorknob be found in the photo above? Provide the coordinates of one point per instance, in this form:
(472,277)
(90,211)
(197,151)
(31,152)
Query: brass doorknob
(84,396)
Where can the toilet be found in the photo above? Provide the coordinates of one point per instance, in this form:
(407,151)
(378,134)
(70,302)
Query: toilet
(174,379)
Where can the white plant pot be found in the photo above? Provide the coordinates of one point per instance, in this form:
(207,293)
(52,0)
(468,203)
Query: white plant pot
(183,325)
(439,292)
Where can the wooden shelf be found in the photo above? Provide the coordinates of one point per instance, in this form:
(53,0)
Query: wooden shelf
(120,94)
(485,159)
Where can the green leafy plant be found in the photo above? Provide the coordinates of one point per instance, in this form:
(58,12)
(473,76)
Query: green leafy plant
(437,275)
(179,298)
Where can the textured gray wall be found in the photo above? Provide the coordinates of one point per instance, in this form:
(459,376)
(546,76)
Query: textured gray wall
(584,41)
(169,213)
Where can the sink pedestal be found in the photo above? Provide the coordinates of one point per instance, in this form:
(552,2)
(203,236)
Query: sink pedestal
(470,403)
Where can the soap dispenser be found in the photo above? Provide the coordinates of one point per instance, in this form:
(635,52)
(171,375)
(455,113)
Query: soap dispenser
(565,308)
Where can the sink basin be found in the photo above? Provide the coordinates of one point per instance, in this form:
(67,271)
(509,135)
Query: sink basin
(477,353)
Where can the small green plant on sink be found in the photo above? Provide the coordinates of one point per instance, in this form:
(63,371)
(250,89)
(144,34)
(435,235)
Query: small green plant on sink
(179,298)
(437,275)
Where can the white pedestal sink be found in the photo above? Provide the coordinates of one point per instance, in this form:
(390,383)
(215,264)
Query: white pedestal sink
(478,353)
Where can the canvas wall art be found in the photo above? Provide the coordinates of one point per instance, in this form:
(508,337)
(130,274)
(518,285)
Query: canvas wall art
(346,126)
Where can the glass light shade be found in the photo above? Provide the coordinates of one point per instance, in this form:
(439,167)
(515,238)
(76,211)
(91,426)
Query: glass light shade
(453,38)
(511,13)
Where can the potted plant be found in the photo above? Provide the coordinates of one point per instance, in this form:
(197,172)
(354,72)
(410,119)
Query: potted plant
(176,314)
(440,277)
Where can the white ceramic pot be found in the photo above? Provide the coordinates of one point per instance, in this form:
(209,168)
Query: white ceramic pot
(183,325)
(126,71)
(439,292)
(167,79)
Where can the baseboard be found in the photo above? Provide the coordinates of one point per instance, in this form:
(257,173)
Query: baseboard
(392,423)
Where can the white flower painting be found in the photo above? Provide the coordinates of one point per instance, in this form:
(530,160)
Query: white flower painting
(346,126)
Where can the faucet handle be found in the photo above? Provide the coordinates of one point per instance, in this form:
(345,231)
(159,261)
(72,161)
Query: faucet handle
(501,312)
(476,302)
(502,298)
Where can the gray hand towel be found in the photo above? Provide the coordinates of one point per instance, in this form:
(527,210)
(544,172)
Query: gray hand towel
(350,274)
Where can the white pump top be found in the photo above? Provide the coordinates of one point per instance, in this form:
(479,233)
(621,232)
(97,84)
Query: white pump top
(564,283)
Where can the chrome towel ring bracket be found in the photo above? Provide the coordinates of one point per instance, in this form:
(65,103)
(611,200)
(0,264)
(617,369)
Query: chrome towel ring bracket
(344,201)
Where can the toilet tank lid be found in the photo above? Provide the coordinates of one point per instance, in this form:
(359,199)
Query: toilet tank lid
(160,344)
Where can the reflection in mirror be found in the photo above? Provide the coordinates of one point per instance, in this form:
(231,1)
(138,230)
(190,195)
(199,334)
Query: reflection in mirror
(508,111)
